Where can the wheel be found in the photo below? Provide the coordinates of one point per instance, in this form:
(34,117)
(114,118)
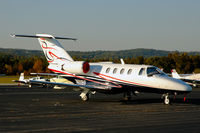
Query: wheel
(166,100)
(85,97)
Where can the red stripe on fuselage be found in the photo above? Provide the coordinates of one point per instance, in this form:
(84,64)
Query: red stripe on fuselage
(98,74)
(120,80)
(84,78)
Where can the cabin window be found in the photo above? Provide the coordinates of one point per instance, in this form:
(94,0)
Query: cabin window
(122,71)
(141,72)
(129,71)
(107,70)
(115,70)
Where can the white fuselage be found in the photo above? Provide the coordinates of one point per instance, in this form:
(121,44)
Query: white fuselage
(160,81)
(132,76)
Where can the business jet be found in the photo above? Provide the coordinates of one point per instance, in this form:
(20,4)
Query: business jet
(191,79)
(106,77)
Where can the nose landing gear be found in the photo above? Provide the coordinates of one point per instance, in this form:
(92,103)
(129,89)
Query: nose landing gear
(166,99)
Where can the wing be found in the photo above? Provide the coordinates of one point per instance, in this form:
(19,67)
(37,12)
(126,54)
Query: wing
(50,74)
(92,87)
(18,81)
(92,83)
(45,74)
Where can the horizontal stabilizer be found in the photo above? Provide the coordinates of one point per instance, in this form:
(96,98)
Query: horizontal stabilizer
(42,36)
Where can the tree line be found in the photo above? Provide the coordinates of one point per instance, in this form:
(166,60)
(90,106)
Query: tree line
(14,65)
(182,62)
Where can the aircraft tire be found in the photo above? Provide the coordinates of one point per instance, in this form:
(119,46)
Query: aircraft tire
(85,98)
(166,100)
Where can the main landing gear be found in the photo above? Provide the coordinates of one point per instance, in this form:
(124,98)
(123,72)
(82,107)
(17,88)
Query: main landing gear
(85,96)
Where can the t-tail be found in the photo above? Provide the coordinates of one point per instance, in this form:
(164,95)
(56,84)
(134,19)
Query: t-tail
(59,60)
(53,50)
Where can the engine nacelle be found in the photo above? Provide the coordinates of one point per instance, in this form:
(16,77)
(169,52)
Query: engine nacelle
(76,67)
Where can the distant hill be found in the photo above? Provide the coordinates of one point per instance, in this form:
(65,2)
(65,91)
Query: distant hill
(120,53)
(21,52)
(98,54)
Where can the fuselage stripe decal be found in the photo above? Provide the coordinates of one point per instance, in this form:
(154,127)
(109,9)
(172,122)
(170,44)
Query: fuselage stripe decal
(100,75)
(118,86)
(84,78)
(52,54)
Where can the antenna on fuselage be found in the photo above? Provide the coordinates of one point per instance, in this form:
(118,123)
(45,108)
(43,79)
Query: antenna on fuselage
(122,61)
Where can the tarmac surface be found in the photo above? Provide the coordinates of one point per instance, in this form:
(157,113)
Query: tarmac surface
(40,110)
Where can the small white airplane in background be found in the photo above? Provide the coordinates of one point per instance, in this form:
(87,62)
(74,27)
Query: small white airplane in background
(109,78)
(191,79)
(58,78)
(27,81)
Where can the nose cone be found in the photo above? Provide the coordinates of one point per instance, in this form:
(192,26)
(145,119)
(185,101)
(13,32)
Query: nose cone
(176,85)
(183,86)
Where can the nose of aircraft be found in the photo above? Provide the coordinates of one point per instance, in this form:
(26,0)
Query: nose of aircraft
(176,84)
(185,87)
(180,85)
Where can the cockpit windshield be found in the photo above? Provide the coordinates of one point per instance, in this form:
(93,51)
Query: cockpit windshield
(153,71)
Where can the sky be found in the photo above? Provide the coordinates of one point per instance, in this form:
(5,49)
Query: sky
(103,24)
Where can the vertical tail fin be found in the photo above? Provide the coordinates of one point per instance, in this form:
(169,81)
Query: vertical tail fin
(21,78)
(175,74)
(53,50)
